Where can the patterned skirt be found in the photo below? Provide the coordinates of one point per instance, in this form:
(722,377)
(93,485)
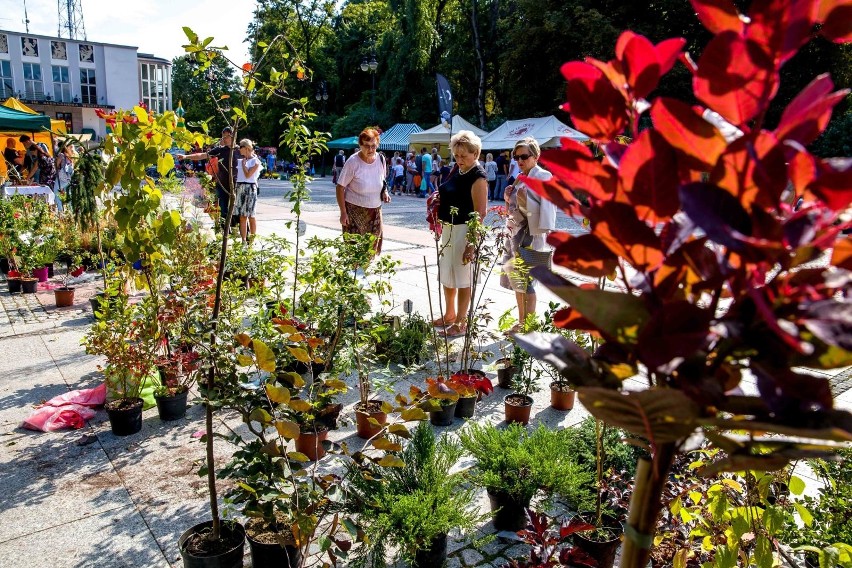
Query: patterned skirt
(365,221)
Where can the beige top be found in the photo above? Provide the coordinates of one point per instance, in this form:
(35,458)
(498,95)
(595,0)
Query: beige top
(362,181)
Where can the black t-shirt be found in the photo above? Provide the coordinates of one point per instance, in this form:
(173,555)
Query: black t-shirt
(339,161)
(10,155)
(222,153)
(418,163)
(457,191)
(501,165)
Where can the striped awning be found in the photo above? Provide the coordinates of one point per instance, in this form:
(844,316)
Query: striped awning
(396,137)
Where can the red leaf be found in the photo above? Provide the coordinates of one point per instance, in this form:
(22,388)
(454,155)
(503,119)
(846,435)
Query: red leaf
(802,169)
(833,182)
(584,254)
(597,108)
(836,18)
(617,226)
(781,27)
(668,52)
(735,78)
(648,177)
(569,318)
(753,171)
(557,193)
(718,15)
(678,329)
(685,130)
(808,114)
(575,166)
(841,257)
(639,60)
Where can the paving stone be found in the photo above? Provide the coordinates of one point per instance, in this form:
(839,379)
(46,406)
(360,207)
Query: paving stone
(471,557)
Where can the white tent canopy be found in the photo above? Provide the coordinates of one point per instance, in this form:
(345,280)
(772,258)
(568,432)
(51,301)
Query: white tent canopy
(546,130)
(439,136)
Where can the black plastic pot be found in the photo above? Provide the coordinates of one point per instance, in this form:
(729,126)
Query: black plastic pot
(172,407)
(434,556)
(14,285)
(127,419)
(231,557)
(273,555)
(4,265)
(443,417)
(29,285)
(465,407)
(505,374)
(511,514)
(49,269)
(601,550)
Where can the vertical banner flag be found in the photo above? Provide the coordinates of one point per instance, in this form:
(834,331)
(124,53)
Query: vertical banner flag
(445,100)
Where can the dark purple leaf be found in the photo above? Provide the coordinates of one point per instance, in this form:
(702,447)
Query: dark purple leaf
(717,213)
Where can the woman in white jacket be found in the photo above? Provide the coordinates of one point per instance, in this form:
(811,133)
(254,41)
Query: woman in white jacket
(531,217)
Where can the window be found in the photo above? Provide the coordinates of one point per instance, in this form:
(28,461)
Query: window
(154,86)
(33,85)
(6,85)
(61,84)
(66,116)
(88,87)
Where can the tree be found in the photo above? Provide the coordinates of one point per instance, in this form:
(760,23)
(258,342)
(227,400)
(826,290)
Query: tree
(194,91)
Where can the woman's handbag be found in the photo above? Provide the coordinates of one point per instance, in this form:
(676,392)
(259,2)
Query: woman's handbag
(533,258)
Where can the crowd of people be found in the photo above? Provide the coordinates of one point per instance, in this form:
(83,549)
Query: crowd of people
(461,187)
(36,165)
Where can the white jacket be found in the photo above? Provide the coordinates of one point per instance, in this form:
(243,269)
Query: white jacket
(541,213)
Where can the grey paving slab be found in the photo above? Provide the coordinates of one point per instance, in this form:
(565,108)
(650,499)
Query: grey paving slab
(50,480)
(112,539)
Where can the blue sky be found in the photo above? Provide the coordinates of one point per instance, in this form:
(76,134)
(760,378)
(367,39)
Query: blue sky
(154,26)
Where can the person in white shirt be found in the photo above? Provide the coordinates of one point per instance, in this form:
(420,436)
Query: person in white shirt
(248,172)
(531,217)
(514,170)
(398,176)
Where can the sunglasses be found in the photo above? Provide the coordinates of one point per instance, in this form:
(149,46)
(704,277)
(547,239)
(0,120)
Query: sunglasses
(520,157)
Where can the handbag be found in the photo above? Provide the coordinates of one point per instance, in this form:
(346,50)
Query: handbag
(533,258)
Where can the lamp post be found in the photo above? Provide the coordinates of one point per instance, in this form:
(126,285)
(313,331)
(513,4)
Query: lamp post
(322,98)
(371,66)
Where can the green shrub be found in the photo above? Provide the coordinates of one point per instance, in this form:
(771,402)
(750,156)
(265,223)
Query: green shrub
(618,455)
(404,345)
(518,462)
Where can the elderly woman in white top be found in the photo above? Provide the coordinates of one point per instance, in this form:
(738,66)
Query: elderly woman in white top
(531,217)
(360,189)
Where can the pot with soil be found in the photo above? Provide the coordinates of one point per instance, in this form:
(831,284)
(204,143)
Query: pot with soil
(445,414)
(510,513)
(125,415)
(64,297)
(14,283)
(172,405)
(433,556)
(329,415)
(363,412)
(561,396)
(505,372)
(466,407)
(517,408)
(266,549)
(602,543)
(310,440)
(29,285)
(197,551)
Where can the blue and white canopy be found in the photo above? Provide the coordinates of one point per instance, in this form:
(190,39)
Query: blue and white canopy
(395,138)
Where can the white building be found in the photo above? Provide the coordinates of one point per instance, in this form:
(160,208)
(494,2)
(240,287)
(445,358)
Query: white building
(68,79)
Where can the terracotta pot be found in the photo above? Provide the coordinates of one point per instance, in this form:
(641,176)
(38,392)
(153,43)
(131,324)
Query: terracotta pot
(517,408)
(363,427)
(310,443)
(29,285)
(561,396)
(505,375)
(64,297)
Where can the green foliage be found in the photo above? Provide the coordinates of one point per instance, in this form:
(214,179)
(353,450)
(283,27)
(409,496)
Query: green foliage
(827,518)
(618,456)
(403,344)
(518,462)
(406,507)
(197,93)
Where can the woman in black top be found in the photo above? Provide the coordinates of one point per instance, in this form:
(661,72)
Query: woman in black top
(466,190)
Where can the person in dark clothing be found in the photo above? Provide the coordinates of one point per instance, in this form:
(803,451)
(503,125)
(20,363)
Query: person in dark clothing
(502,171)
(30,155)
(14,160)
(226,172)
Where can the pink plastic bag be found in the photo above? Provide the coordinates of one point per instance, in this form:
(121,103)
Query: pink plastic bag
(50,418)
(69,410)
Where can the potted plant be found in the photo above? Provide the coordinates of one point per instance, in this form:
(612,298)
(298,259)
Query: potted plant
(550,543)
(177,374)
(317,415)
(517,406)
(470,386)
(64,295)
(411,506)
(439,401)
(513,465)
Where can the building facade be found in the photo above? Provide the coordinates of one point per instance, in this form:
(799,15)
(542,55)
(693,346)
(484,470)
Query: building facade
(68,79)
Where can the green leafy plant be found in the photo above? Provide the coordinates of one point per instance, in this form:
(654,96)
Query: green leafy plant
(519,463)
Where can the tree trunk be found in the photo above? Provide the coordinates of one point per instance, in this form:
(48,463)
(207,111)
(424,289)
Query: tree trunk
(645,506)
(480,62)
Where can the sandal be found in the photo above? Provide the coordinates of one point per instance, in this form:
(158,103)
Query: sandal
(440,322)
(517,328)
(455,330)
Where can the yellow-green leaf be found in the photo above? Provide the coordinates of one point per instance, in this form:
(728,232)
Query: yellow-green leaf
(391,460)
(387,445)
(387,407)
(797,485)
(260,415)
(804,514)
(400,430)
(300,354)
(695,497)
(287,429)
(245,360)
(733,484)
(278,394)
(165,163)
(286,329)
(298,456)
(336,384)
(265,356)
(299,405)
(414,413)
